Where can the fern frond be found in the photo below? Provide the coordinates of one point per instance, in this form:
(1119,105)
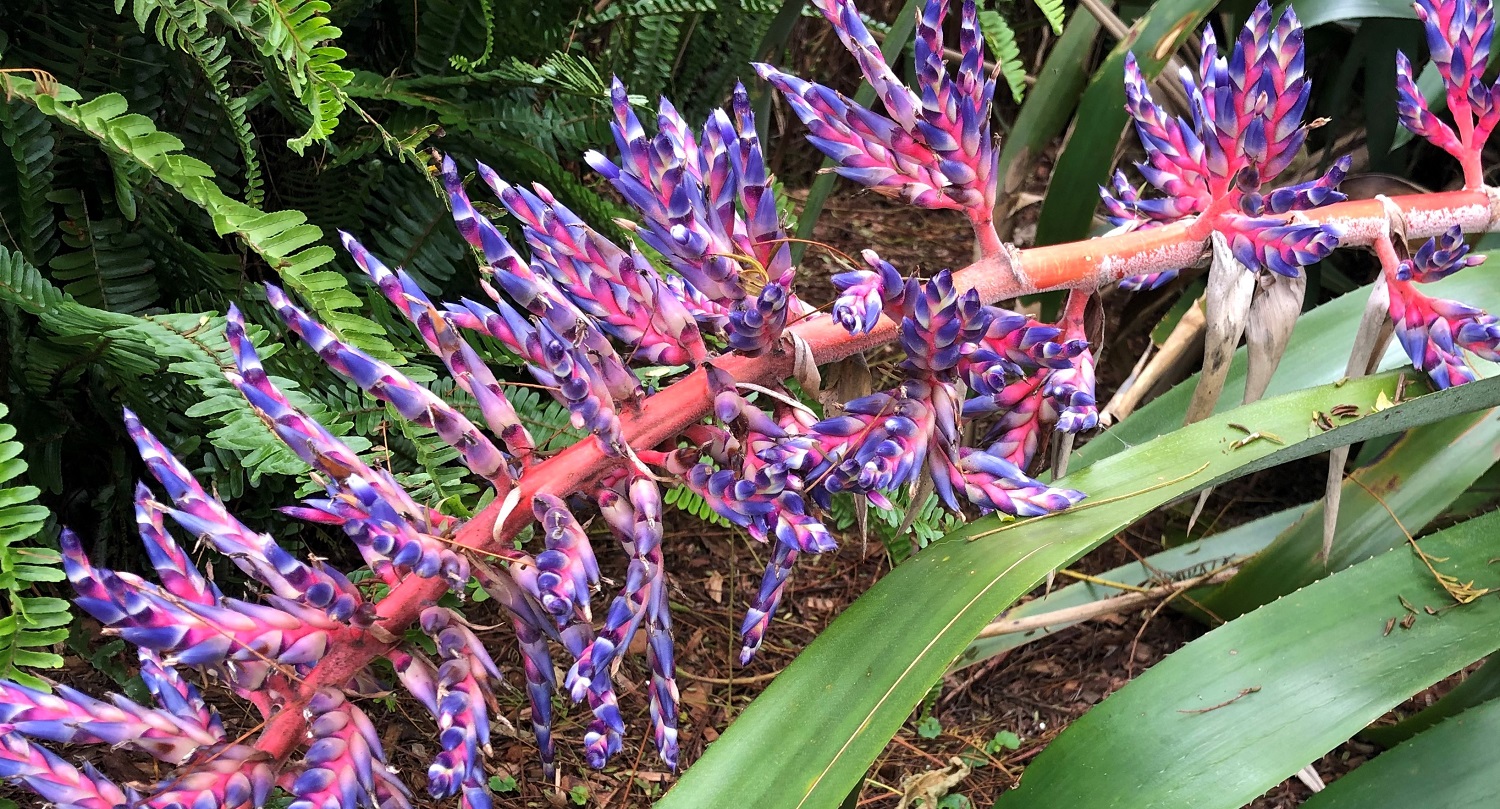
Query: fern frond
(1054,12)
(448,27)
(184,26)
(293,34)
(188,345)
(463,63)
(1002,41)
(653,51)
(35,622)
(687,501)
(109,266)
(284,239)
(26,216)
(651,8)
(411,227)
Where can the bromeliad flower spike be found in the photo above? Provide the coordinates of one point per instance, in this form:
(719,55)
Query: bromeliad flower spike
(1245,128)
(1433,331)
(712,315)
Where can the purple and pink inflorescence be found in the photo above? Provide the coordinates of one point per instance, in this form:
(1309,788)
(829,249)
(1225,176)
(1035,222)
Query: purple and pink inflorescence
(585,315)
(1435,332)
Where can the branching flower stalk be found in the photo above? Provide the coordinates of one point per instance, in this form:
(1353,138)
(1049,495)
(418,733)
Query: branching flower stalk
(585,314)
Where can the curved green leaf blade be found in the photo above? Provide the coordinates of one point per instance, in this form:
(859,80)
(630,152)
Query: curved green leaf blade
(1317,355)
(1451,766)
(1240,709)
(820,724)
(1427,469)
(1181,562)
(1483,686)
(1053,97)
(1317,12)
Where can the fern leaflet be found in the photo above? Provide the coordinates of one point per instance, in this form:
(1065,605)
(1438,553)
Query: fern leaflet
(285,239)
(35,622)
(1002,41)
(184,26)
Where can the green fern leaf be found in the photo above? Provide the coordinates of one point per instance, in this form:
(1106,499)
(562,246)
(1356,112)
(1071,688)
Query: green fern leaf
(184,26)
(25,211)
(35,623)
(109,266)
(687,501)
(449,27)
(190,346)
(463,63)
(1002,41)
(651,8)
(1054,12)
(284,239)
(294,35)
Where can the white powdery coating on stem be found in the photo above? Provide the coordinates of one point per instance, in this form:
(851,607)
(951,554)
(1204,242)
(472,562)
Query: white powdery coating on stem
(1174,256)
(1423,224)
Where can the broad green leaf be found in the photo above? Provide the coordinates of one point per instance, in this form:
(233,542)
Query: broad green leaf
(1478,688)
(1051,102)
(1090,151)
(1242,708)
(1416,479)
(1316,355)
(1181,562)
(1451,766)
(820,724)
(1313,13)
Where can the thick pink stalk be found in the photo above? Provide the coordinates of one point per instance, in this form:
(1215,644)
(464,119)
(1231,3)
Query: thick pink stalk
(1088,264)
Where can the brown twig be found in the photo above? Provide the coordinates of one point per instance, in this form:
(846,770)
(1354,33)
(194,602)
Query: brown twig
(1244,692)
(1108,606)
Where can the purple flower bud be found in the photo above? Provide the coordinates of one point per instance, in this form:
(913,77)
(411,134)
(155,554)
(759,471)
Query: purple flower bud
(1438,258)
(249,637)
(234,776)
(344,764)
(469,372)
(709,208)
(1459,36)
(934,150)
(1434,333)
(255,553)
(71,717)
(414,402)
(56,781)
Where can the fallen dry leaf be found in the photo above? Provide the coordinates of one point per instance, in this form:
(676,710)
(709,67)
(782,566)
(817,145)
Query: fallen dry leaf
(930,787)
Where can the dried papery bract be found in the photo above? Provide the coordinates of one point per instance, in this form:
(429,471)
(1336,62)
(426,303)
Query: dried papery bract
(589,318)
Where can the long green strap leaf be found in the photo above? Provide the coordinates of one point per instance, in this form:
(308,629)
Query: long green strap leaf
(1451,766)
(1051,102)
(1181,562)
(1316,355)
(1481,687)
(1242,708)
(815,730)
(1416,479)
